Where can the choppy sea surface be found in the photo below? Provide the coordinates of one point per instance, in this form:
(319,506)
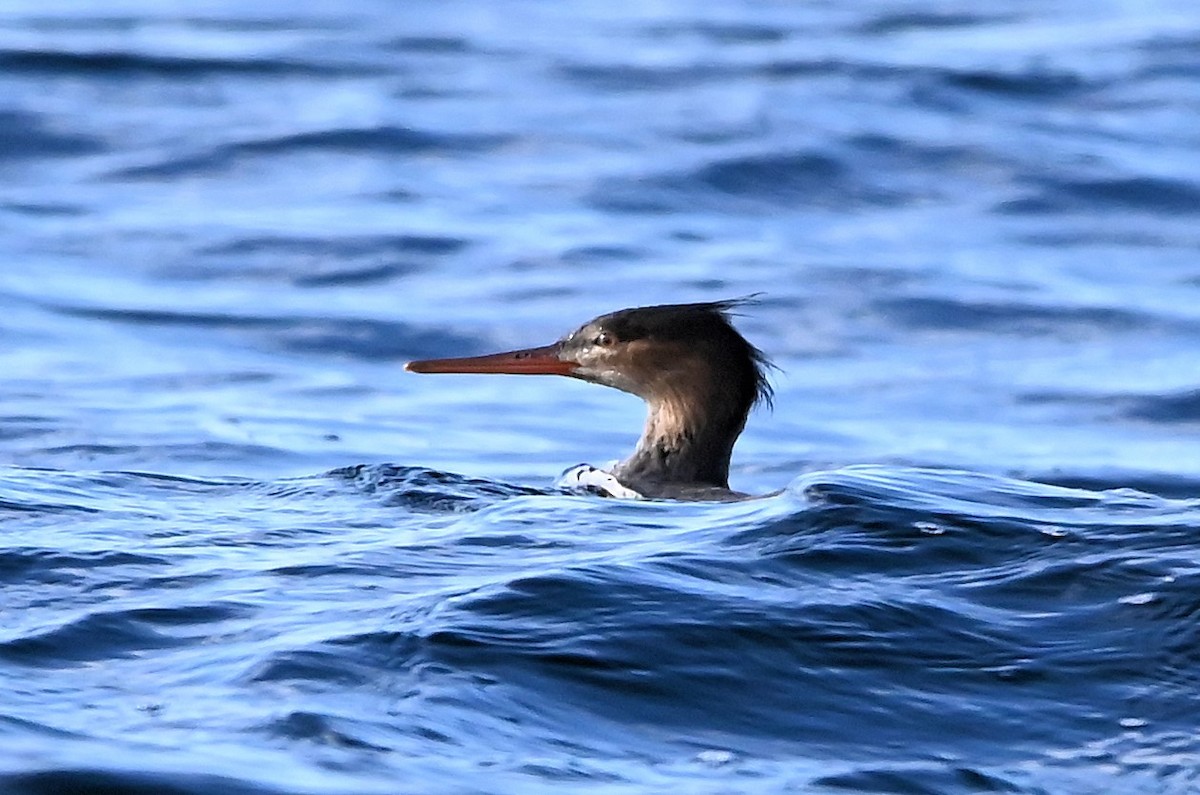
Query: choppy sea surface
(242,552)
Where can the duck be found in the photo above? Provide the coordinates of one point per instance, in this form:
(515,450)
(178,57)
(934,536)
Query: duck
(699,377)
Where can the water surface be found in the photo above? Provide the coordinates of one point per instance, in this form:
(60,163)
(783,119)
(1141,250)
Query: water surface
(244,552)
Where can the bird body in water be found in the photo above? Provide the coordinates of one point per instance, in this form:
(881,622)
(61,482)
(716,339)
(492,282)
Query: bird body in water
(697,374)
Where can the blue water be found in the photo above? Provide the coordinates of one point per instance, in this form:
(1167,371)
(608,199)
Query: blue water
(242,551)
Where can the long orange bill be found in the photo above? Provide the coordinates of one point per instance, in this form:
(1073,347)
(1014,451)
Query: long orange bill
(530,361)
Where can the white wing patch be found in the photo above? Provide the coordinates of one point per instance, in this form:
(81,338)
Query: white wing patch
(595,481)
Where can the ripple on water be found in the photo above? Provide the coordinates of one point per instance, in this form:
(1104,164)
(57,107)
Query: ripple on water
(744,184)
(113,634)
(1133,194)
(378,141)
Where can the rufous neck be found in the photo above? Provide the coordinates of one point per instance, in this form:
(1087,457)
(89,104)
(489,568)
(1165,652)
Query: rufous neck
(686,440)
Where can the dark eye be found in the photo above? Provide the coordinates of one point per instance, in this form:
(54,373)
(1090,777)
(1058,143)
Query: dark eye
(604,339)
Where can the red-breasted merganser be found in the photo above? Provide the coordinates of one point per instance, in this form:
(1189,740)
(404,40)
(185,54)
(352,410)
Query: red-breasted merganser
(699,377)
